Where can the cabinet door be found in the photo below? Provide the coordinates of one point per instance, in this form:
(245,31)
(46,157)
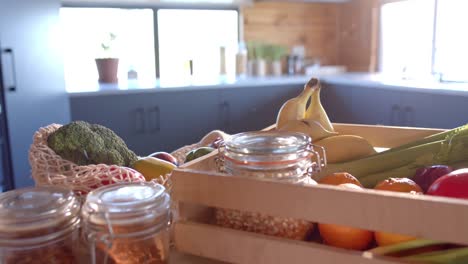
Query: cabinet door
(376,106)
(434,110)
(124,114)
(253,108)
(33,75)
(337,101)
(184,117)
(150,122)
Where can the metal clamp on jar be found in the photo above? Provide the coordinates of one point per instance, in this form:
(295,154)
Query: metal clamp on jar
(39,225)
(287,157)
(127,223)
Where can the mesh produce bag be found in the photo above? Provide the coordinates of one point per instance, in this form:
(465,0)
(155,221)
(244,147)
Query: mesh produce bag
(48,168)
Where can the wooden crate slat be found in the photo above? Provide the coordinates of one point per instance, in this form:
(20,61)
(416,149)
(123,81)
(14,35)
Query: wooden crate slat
(382,136)
(249,248)
(385,136)
(416,215)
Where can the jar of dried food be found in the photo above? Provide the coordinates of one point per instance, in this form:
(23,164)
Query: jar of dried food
(39,225)
(127,224)
(287,157)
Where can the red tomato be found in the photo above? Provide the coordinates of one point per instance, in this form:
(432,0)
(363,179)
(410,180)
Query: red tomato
(454,184)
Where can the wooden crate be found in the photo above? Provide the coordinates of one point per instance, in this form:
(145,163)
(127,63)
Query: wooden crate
(198,188)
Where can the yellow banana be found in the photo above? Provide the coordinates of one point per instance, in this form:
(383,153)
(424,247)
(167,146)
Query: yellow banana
(343,148)
(315,111)
(295,108)
(311,128)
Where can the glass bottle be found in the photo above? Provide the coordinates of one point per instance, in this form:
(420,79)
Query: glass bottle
(287,157)
(241,60)
(127,224)
(39,225)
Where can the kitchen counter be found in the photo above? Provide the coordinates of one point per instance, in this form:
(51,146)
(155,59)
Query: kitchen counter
(353,79)
(398,84)
(149,86)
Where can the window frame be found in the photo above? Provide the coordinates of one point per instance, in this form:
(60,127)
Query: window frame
(155,9)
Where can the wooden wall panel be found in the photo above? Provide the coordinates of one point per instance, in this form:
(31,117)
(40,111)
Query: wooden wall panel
(340,34)
(313,25)
(358,34)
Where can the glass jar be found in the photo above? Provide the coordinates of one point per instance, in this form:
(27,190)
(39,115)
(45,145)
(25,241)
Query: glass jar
(39,225)
(127,224)
(287,157)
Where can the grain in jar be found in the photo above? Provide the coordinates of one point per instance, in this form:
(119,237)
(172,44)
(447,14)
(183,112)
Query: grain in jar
(286,157)
(39,225)
(127,224)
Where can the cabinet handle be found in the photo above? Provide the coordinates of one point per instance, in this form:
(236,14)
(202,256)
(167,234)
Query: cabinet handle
(395,115)
(10,52)
(154,115)
(409,116)
(139,120)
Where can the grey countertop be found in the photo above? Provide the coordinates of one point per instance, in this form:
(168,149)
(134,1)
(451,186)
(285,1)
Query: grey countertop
(352,79)
(137,86)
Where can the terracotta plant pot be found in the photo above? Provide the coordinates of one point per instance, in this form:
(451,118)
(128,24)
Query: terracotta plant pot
(107,69)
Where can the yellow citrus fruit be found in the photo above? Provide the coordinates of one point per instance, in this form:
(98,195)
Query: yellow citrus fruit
(339,178)
(396,185)
(152,168)
(344,236)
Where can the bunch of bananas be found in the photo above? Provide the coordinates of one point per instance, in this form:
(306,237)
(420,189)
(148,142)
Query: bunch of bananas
(305,114)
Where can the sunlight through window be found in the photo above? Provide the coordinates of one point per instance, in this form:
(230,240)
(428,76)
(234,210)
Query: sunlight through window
(84,29)
(197,36)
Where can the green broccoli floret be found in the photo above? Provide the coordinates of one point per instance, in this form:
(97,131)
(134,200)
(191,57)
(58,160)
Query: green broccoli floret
(84,144)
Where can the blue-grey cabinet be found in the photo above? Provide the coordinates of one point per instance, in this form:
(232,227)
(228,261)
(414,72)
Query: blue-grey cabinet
(253,108)
(150,122)
(337,101)
(164,120)
(425,109)
(32,75)
(376,106)
(394,106)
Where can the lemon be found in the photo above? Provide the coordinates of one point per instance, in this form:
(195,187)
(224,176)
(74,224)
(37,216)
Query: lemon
(152,168)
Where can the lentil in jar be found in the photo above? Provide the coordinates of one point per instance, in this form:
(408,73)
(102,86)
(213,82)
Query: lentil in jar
(269,155)
(127,224)
(39,225)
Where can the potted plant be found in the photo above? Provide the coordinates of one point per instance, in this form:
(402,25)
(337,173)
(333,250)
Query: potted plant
(274,56)
(108,64)
(259,62)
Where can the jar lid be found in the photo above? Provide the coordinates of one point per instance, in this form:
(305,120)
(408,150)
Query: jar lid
(268,142)
(36,208)
(126,203)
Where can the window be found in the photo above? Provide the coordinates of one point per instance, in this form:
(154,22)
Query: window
(84,29)
(451,40)
(423,37)
(184,35)
(406,41)
(197,36)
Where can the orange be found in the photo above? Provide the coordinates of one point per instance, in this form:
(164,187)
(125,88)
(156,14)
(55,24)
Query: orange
(395,185)
(399,185)
(339,178)
(344,236)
